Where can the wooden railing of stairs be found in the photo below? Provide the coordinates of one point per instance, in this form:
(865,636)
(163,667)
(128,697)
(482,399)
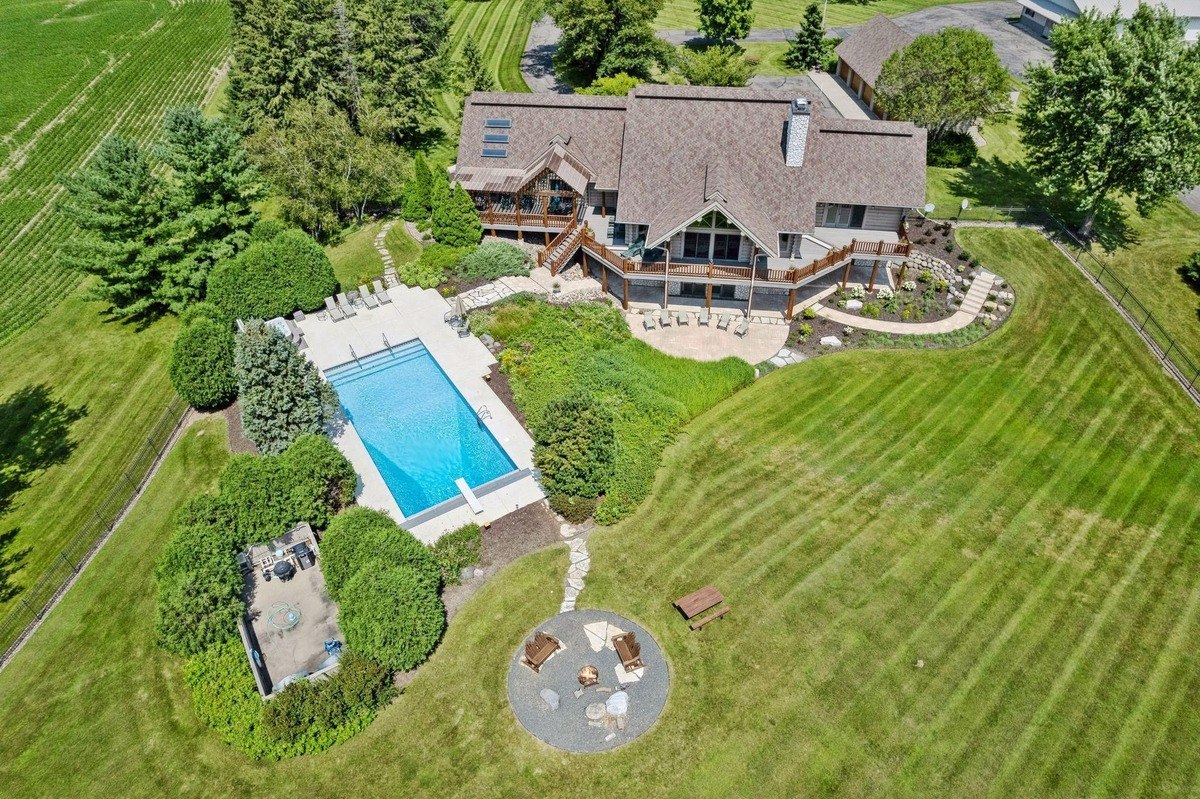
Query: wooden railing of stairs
(562,247)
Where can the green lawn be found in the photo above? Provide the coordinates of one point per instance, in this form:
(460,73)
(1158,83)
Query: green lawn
(1016,515)
(770,58)
(681,14)
(356,261)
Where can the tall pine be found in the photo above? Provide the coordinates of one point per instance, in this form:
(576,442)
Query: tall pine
(455,220)
(473,71)
(117,203)
(808,49)
(417,191)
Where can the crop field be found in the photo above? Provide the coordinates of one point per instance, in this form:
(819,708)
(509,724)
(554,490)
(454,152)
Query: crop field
(73,73)
(956,573)
(681,14)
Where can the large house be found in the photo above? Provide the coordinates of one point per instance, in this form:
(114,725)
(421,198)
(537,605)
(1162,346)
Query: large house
(1040,16)
(683,191)
(862,53)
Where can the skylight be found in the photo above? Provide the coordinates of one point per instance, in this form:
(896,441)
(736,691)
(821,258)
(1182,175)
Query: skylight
(495,138)
(498,123)
(495,152)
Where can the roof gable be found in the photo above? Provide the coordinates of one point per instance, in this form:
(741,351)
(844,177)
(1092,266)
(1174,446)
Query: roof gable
(868,46)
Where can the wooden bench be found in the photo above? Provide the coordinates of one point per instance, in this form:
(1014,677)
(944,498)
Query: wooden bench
(629,650)
(716,614)
(539,650)
(697,602)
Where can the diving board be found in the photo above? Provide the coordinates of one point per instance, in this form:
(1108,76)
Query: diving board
(469,495)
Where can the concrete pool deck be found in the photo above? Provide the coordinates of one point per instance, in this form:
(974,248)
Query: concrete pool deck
(420,314)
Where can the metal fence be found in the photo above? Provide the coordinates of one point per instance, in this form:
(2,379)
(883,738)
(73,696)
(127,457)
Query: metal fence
(36,601)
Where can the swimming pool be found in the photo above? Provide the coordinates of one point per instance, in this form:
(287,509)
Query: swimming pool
(418,429)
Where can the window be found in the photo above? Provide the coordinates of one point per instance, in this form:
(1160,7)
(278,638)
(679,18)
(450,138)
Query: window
(495,138)
(495,152)
(833,215)
(726,246)
(695,245)
(497,123)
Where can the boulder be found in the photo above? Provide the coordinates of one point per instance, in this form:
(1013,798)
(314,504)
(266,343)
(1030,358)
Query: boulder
(853,305)
(550,698)
(617,704)
(831,341)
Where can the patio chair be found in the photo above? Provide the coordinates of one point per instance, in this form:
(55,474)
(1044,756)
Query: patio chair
(648,322)
(345,304)
(629,650)
(381,293)
(723,322)
(371,300)
(682,317)
(703,318)
(539,650)
(335,313)
(664,318)
(742,329)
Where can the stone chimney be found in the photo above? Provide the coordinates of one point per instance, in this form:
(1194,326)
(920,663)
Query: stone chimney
(797,131)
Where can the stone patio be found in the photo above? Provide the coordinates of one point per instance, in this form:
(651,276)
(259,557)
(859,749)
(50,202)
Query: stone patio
(553,706)
(707,343)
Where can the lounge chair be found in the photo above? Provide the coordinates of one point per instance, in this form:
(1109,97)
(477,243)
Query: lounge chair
(648,322)
(704,317)
(539,650)
(742,329)
(335,313)
(723,322)
(682,317)
(381,293)
(629,650)
(345,304)
(664,318)
(367,297)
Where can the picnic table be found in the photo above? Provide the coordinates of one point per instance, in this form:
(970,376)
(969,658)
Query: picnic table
(697,602)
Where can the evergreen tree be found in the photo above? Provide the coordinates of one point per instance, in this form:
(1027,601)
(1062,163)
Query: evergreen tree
(398,64)
(118,204)
(439,192)
(473,72)
(1118,111)
(281,394)
(417,190)
(602,38)
(213,187)
(455,220)
(725,20)
(808,49)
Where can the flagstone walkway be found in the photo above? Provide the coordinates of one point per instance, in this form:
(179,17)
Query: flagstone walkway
(581,562)
(971,307)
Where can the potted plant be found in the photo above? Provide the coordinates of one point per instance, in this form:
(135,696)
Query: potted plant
(557,287)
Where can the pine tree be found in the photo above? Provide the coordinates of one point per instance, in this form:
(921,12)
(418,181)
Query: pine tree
(455,220)
(213,186)
(117,203)
(808,50)
(417,190)
(473,73)
(281,394)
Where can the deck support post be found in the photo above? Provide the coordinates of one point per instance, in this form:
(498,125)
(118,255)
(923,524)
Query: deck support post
(791,302)
(846,273)
(603,277)
(625,294)
(546,233)
(874,269)
(708,296)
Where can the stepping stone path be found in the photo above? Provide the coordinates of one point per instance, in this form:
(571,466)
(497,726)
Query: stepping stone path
(786,357)
(581,562)
(389,263)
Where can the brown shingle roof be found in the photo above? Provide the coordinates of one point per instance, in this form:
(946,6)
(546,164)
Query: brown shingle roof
(868,47)
(589,129)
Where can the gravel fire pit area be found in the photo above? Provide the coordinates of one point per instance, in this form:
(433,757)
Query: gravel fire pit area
(554,705)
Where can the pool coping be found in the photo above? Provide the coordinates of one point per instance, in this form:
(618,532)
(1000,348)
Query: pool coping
(416,314)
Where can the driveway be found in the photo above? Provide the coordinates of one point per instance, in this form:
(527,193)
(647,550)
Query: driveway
(1013,44)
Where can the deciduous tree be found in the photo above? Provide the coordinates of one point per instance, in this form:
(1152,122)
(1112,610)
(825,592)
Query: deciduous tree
(722,65)
(1118,111)
(605,37)
(725,20)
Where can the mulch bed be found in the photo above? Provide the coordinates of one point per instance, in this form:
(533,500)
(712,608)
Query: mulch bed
(499,384)
(238,443)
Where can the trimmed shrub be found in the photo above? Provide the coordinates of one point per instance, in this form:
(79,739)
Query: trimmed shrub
(952,150)
(492,260)
(283,396)
(575,446)
(1190,271)
(321,480)
(199,608)
(574,509)
(267,229)
(455,551)
(361,535)
(455,220)
(201,367)
(202,310)
(273,278)
(391,615)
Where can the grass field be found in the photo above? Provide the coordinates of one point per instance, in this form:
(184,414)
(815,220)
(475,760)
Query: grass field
(355,257)
(500,29)
(76,71)
(681,14)
(1016,515)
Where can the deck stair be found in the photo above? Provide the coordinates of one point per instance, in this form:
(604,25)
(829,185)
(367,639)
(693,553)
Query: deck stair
(562,248)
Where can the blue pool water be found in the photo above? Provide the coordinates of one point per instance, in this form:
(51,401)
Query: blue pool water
(419,430)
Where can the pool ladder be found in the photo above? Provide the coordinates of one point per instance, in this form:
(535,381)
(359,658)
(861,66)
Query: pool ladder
(354,355)
(483,413)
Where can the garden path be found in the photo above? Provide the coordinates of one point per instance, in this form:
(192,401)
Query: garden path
(971,306)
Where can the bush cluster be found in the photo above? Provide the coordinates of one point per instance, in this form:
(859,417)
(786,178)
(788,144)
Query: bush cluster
(436,263)
(575,446)
(358,536)
(493,260)
(391,615)
(457,550)
(273,277)
(201,366)
(952,150)
(199,583)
